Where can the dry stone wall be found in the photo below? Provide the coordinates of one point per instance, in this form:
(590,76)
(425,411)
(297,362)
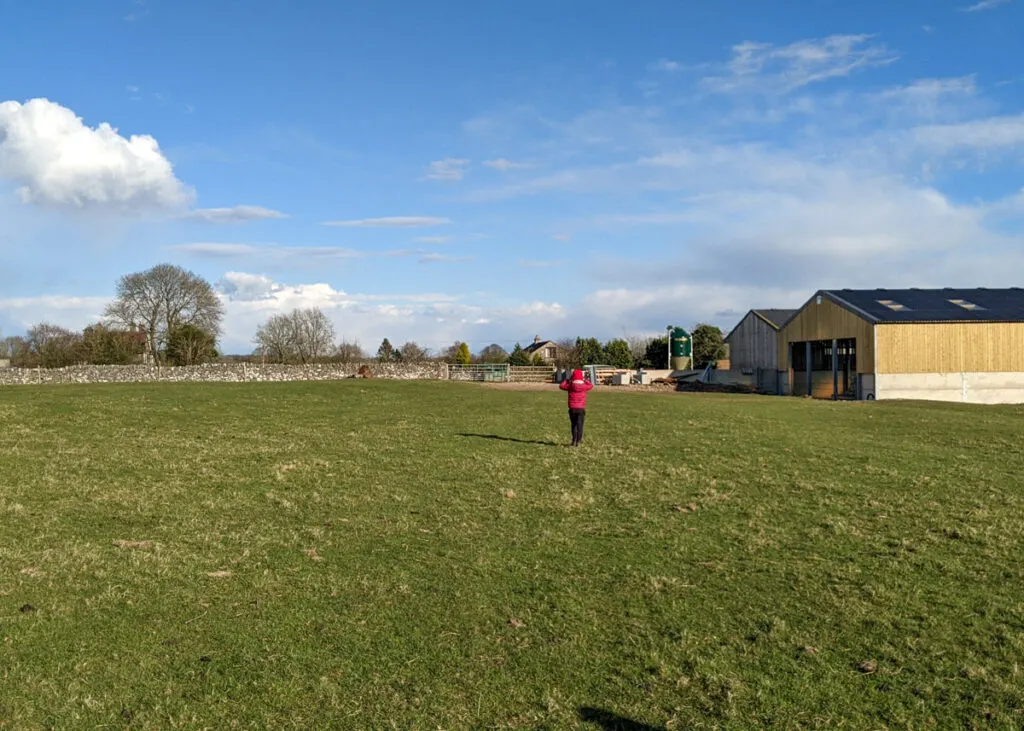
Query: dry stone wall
(221,372)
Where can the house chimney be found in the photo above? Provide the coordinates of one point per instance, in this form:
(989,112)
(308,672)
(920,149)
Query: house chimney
(536,339)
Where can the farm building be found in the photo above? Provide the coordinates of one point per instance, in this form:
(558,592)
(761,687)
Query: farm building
(754,346)
(546,349)
(937,344)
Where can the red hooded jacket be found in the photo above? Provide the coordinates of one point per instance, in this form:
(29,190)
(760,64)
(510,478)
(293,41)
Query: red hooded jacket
(577,387)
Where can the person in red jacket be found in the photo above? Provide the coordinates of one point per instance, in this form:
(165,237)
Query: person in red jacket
(577,386)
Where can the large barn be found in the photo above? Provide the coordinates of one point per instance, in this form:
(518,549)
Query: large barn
(754,346)
(938,344)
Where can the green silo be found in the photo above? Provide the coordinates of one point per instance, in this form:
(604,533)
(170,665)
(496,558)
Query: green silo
(681,347)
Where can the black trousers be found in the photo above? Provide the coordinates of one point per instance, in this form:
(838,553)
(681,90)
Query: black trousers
(576,417)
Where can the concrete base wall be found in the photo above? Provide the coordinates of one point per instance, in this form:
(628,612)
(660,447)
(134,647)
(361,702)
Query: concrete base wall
(969,388)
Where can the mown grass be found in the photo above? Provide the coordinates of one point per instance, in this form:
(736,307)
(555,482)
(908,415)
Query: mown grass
(350,555)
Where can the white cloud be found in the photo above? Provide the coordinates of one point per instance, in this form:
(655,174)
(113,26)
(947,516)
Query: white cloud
(216,250)
(68,311)
(433,239)
(298,254)
(980,134)
(764,67)
(237,214)
(539,264)
(450,169)
(443,258)
(925,99)
(58,161)
(984,5)
(391,222)
(666,65)
(505,165)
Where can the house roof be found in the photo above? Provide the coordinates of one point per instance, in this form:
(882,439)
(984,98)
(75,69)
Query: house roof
(932,305)
(774,317)
(538,345)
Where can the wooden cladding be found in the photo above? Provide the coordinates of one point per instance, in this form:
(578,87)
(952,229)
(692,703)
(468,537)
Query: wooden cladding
(974,347)
(828,321)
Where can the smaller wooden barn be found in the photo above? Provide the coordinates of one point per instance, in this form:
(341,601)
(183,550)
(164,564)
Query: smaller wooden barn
(754,347)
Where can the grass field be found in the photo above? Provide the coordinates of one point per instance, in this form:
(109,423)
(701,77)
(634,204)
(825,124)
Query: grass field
(370,554)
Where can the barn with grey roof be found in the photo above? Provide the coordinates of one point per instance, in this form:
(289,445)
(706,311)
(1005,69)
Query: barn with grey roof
(963,345)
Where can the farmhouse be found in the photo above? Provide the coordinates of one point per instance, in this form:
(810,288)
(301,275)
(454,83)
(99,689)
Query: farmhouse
(754,346)
(547,349)
(962,345)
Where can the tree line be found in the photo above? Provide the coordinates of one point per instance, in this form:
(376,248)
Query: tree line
(169,315)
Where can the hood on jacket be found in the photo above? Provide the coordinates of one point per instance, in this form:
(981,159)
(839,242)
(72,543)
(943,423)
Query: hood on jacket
(577,375)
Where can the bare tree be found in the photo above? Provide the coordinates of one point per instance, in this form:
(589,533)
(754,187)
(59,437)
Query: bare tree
(412,353)
(299,336)
(189,345)
(638,346)
(17,350)
(350,353)
(162,298)
(314,334)
(54,346)
(275,339)
(567,353)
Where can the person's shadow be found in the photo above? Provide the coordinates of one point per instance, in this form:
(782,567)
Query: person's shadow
(612,721)
(495,437)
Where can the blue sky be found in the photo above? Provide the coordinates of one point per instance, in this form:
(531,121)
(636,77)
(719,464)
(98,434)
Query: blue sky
(490,171)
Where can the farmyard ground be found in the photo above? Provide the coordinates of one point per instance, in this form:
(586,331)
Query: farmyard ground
(371,554)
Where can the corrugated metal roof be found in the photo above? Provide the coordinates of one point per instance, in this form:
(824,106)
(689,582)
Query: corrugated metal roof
(773,317)
(776,317)
(933,305)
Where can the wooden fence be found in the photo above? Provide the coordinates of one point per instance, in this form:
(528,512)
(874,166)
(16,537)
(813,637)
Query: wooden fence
(531,374)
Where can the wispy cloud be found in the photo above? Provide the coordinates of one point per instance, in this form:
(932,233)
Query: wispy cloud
(926,98)
(443,258)
(450,169)
(766,67)
(666,65)
(981,134)
(985,5)
(540,264)
(141,10)
(433,239)
(298,254)
(216,250)
(391,222)
(236,214)
(505,165)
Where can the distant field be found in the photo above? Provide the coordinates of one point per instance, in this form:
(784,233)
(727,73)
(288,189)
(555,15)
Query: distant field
(371,554)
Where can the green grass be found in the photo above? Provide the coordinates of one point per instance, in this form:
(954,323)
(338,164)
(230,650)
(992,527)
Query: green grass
(338,555)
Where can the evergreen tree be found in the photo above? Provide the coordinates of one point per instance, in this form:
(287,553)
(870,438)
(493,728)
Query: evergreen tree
(590,351)
(518,356)
(708,345)
(386,352)
(618,354)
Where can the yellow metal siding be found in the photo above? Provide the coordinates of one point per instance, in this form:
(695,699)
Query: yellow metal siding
(829,321)
(973,347)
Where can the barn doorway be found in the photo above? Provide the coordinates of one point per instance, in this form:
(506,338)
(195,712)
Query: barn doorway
(825,369)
